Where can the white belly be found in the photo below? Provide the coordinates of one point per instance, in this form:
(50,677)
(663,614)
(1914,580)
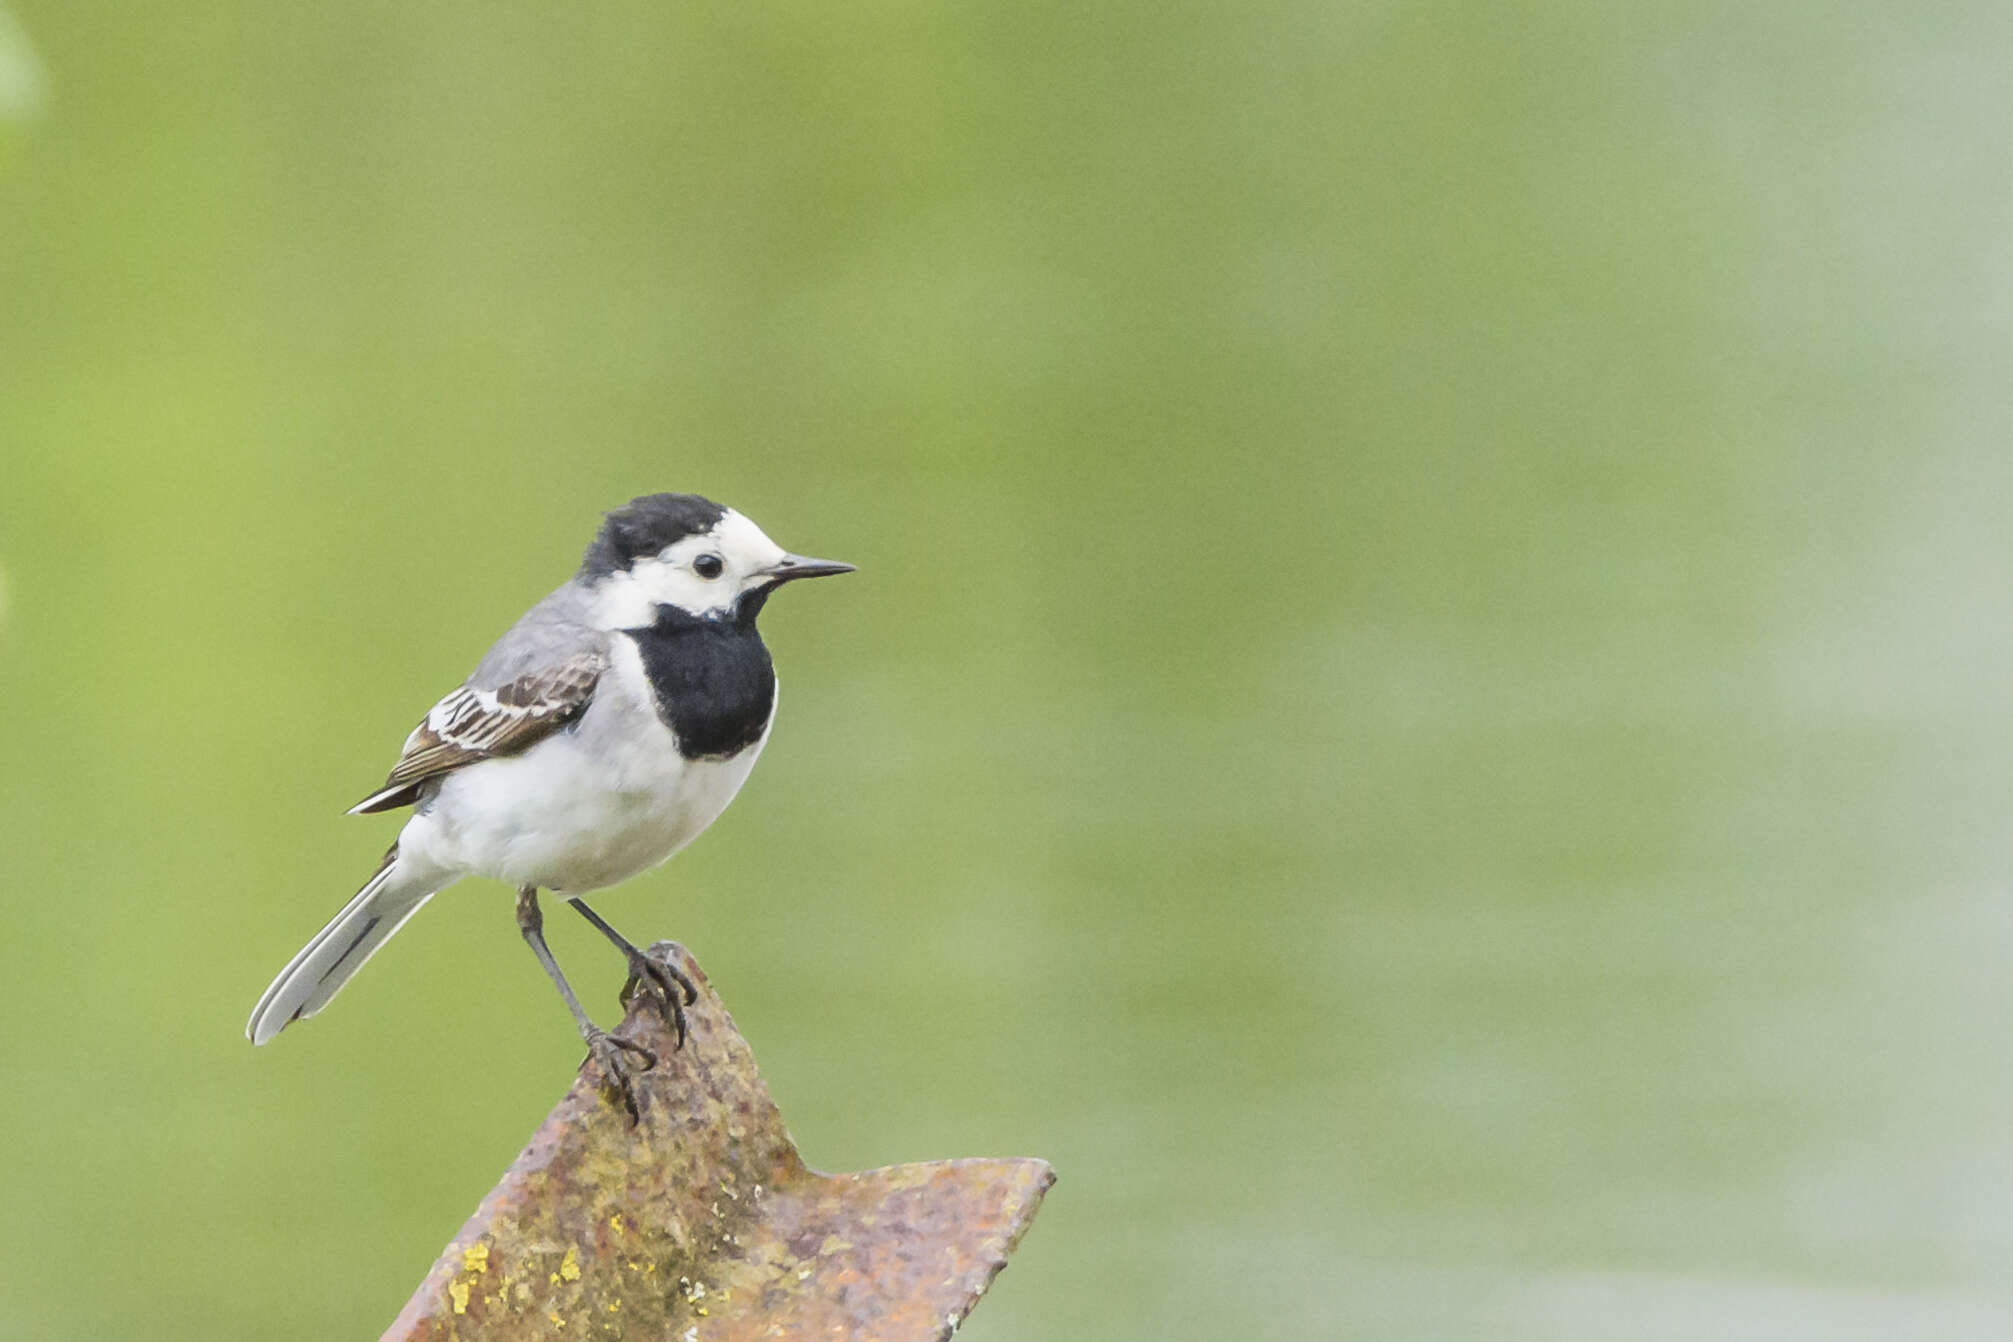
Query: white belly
(581,809)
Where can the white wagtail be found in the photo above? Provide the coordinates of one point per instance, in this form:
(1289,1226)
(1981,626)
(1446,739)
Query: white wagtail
(610,725)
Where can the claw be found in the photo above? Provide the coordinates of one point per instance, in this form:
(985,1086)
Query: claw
(606,1051)
(669,989)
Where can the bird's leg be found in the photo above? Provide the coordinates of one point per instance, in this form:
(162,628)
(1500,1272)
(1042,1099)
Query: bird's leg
(653,976)
(606,1049)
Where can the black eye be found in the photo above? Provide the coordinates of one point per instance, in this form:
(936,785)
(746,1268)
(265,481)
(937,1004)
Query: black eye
(708,566)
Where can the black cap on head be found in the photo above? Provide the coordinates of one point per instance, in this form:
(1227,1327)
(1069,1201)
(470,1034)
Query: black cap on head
(644,526)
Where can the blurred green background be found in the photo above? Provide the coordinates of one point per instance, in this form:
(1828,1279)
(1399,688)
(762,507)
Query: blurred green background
(1426,711)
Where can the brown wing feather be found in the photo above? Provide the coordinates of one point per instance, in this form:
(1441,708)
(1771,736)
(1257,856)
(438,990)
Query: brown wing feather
(471,724)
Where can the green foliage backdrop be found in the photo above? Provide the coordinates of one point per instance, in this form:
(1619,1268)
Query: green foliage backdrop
(1425,707)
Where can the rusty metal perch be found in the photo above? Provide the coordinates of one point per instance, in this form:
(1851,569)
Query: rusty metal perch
(701,1223)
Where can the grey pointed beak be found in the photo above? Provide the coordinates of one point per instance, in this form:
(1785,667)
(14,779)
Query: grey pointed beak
(792,567)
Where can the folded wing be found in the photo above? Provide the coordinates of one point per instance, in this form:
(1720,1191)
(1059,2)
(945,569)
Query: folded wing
(472,724)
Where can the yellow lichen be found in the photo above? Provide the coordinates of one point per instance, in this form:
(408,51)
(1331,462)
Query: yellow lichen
(475,1258)
(457,1291)
(615,1223)
(569,1266)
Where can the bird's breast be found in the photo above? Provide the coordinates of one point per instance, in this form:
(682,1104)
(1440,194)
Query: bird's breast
(711,682)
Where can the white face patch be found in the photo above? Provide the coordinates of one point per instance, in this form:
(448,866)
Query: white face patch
(677,575)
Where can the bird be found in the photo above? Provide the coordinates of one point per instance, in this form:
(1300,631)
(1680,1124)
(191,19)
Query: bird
(607,728)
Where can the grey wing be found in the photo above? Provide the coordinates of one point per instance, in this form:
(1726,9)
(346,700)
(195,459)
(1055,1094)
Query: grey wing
(482,721)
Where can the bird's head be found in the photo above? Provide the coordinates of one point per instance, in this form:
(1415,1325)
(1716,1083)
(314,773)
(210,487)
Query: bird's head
(690,553)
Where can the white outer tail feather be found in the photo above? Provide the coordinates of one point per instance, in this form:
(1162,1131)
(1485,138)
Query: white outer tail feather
(315,975)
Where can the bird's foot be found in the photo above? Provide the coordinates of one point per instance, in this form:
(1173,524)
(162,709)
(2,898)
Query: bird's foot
(667,987)
(615,1056)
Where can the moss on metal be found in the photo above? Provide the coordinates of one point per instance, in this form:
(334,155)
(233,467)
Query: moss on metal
(700,1223)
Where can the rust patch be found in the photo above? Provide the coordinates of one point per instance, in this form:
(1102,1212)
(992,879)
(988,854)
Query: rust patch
(700,1223)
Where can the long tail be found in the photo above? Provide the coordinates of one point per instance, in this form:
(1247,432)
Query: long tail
(314,976)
